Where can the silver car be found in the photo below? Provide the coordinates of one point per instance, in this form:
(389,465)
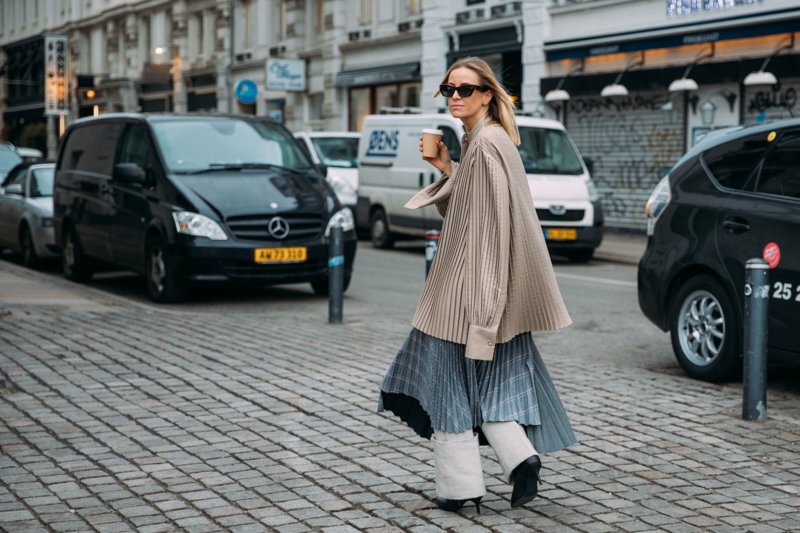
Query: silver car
(26,212)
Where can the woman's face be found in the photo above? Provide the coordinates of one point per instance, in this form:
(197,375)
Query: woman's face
(467,107)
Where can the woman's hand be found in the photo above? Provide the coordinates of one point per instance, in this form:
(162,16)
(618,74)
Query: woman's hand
(442,160)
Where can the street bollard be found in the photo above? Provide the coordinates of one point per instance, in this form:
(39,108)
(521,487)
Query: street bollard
(335,275)
(431,244)
(756,304)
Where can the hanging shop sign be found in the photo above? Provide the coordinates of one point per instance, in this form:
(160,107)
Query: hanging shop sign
(55,75)
(286,74)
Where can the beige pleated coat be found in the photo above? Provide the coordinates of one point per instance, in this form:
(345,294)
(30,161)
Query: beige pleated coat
(492,278)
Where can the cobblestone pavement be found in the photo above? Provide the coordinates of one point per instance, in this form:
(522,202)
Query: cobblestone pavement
(118,417)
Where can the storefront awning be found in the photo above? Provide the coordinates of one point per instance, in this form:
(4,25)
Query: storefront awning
(379,75)
(783,66)
(773,23)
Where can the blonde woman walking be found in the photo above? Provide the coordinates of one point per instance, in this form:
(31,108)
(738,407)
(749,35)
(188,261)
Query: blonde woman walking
(469,372)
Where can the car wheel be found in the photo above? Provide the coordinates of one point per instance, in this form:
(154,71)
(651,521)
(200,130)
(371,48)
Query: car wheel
(704,330)
(74,263)
(379,230)
(164,283)
(321,286)
(581,255)
(26,248)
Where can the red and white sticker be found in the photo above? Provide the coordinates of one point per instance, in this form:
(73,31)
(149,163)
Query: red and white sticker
(772,254)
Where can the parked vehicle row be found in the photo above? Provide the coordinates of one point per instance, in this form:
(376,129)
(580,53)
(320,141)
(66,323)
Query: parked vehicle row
(733,197)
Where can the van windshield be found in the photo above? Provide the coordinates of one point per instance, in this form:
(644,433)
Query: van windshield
(547,151)
(339,152)
(196,145)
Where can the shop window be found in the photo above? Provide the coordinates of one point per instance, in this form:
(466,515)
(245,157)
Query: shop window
(360,106)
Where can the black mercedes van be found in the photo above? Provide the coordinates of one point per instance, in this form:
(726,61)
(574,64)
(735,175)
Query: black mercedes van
(189,199)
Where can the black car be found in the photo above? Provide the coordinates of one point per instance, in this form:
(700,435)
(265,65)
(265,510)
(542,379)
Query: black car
(733,197)
(187,199)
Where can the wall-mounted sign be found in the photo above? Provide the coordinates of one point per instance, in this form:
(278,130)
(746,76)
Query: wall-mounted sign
(246,91)
(286,74)
(55,75)
(684,7)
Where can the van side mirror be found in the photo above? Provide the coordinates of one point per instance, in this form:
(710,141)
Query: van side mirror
(128,173)
(15,189)
(589,165)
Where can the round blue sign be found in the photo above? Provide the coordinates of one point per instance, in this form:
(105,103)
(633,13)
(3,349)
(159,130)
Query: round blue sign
(246,91)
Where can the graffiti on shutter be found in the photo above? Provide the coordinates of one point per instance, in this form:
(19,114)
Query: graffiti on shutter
(632,141)
(765,104)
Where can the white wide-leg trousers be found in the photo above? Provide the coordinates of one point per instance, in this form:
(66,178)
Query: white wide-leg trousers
(457,458)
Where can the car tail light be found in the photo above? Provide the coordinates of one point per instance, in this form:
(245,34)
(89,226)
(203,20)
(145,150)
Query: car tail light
(655,205)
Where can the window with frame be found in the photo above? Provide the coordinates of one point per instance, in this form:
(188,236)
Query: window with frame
(780,174)
(735,164)
(365,12)
(91,149)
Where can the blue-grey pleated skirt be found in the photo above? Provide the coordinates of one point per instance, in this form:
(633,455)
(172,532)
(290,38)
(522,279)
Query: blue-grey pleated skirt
(432,386)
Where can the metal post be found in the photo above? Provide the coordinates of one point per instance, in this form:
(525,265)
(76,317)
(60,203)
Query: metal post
(756,300)
(335,275)
(431,244)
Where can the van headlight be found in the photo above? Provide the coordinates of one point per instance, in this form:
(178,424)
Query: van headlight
(343,217)
(594,196)
(655,205)
(198,225)
(345,192)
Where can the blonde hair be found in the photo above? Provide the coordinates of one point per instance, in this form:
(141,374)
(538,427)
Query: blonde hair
(501,107)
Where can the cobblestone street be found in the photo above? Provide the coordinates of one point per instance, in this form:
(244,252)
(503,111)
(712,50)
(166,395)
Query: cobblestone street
(119,416)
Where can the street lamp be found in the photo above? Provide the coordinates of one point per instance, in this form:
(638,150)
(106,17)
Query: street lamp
(685,83)
(762,77)
(616,88)
(558,94)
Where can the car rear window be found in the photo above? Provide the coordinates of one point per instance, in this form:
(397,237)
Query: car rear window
(780,174)
(734,164)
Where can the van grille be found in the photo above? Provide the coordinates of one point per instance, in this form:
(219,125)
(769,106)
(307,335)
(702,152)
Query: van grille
(570,215)
(254,227)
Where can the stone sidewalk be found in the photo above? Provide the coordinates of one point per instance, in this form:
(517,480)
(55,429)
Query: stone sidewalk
(123,417)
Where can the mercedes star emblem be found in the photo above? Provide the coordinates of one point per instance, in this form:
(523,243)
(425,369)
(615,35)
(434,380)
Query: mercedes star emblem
(278,227)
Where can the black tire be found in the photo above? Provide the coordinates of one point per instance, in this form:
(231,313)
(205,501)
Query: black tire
(162,273)
(320,286)
(74,263)
(27,249)
(379,230)
(704,330)
(581,255)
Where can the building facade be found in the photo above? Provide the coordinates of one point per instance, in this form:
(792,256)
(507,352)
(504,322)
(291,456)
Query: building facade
(325,64)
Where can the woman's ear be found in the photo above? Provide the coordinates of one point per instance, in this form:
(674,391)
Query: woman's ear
(487,97)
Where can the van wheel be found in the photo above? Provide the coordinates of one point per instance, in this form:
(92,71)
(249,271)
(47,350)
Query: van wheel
(581,255)
(379,230)
(321,287)
(27,250)
(163,281)
(74,263)
(704,330)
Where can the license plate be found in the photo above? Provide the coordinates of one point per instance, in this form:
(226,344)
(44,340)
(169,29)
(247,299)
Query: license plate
(559,234)
(295,254)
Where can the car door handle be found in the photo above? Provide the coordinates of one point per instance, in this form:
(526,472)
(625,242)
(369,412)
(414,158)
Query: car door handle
(433,177)
(421,179)
(736,226)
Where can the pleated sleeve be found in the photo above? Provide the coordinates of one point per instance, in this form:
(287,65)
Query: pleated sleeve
(488,251)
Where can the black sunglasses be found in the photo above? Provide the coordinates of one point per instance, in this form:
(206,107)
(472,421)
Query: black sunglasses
(464,91)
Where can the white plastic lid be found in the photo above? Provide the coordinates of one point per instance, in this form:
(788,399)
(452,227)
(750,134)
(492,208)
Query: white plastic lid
(432,131)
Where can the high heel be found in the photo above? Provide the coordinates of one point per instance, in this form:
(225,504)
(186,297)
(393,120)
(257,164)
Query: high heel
(454,505)
(526,481)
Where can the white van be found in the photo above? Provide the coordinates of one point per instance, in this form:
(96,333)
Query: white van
(338,151)
(391,170)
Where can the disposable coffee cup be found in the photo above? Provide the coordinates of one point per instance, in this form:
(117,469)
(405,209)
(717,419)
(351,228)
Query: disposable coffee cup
(430,138)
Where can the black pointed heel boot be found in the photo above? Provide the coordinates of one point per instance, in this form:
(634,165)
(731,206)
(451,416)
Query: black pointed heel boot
(454,505)
(526,481)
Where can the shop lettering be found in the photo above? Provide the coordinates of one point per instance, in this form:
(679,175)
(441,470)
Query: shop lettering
(383,143)
(282,71)
(763,100)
